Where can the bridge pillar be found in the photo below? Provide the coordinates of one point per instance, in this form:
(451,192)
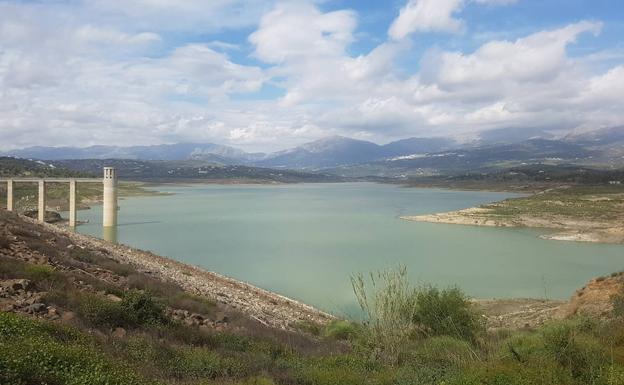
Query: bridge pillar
(110,197)
(10,195)
(42,201)
(72,203)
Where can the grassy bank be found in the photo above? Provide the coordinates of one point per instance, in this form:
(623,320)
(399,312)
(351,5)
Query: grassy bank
(589,213)
(584,202)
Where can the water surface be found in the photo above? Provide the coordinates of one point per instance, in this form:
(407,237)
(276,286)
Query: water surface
(304,241)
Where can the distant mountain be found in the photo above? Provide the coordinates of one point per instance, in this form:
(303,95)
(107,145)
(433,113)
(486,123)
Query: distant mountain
(600,147)
(338,150)
(327,152)
(604,136)
(413,146)
(480,158)
(513,135)
(192,170)
(607,143)
(180,151)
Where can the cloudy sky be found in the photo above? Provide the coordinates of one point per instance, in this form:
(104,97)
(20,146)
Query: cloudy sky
(265,75)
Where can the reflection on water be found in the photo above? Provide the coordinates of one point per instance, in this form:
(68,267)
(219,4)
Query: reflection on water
(110,234)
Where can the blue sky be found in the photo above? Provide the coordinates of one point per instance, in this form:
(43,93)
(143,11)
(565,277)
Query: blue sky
(265,75)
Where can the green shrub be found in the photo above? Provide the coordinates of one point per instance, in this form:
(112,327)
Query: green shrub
(341,330)
(446,312)
(307,327)
(573,349)
(444,351)
(190,302)
(135,309)
(83,255)
(389,306)
(142,309)
(102,312)
(395,313)
(44,277)
(32,353)
(199,363)
(511,373)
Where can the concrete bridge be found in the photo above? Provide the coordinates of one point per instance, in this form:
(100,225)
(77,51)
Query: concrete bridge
(109,206)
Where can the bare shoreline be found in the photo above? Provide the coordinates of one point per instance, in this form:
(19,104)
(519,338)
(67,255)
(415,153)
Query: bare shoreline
(268,308)
(565,229)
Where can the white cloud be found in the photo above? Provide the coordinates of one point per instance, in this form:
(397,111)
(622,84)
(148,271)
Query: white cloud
(297,31)
(433,16)
(536,58)
(426,16)
(496,2)
(101,72)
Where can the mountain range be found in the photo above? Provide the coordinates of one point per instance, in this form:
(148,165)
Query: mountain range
(352,157)
(327,152)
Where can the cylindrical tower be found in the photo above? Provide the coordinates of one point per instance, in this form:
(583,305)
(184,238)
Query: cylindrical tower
(110,197)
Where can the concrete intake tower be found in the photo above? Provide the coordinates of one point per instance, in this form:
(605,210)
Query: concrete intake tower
(110,197)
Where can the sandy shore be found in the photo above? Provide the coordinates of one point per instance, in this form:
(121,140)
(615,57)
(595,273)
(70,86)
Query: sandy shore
(268,308)
(565,229)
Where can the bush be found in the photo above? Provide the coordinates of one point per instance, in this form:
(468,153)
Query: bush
(190,302)
(341,330)
(444,351)
(307,327)
(82,255)
(574,349)
(135,309)
(44,277)
(446,312)
(32,352)
(142,309)
(396,313)
(102,312)
(389,308)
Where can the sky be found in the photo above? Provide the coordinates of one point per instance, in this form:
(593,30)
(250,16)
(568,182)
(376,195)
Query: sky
(265,75)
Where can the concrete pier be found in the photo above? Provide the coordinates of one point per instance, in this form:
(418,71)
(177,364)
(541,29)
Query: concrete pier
(10,195)
(110,197)
(72,203)
(41,211)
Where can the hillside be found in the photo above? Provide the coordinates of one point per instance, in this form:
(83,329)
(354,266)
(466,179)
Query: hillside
(172,171)
(16,167)
(75,310)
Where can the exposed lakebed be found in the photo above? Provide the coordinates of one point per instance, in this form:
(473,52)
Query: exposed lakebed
(304,241)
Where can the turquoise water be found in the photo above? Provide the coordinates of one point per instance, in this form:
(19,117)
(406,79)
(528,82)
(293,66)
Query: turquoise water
(304,241)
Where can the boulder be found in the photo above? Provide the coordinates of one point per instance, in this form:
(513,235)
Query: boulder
(68,316)
(36,308)
(113,298)
(119,333)
(16,284)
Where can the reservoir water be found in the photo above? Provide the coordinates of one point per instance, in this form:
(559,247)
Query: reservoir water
(304,241)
